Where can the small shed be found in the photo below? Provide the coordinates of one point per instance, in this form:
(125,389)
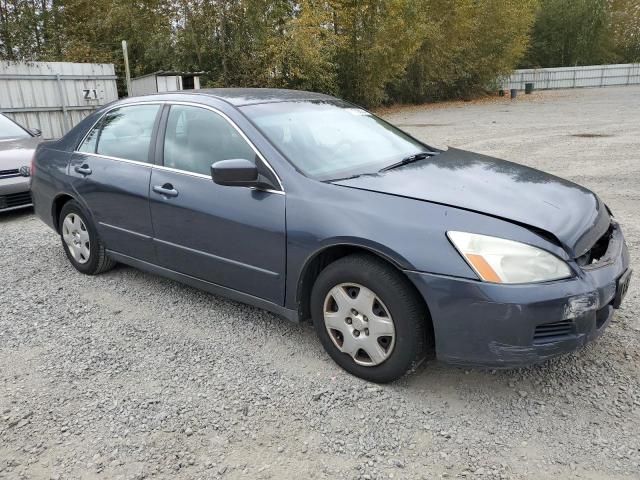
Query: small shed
(54,96)
(162,81)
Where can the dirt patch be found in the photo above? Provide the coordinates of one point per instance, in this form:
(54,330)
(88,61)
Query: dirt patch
(591,135)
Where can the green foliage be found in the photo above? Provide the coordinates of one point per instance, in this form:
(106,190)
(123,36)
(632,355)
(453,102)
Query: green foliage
(625,19)
(27,29)
(468,46)
(571,33)
(92,31)
(257,43)
(368,51)
(377,38)
(301,54)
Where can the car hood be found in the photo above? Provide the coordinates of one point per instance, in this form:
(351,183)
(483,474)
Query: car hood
(573,215)
(17,152)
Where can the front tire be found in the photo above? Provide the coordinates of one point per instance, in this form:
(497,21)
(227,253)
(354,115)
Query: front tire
(369,318)
(81,242)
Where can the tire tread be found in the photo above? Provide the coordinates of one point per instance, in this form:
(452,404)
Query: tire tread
(105,263)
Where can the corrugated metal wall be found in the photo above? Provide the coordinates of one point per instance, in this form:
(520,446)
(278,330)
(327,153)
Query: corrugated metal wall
(144,85)
(54,96)
(169,83)
(574,77)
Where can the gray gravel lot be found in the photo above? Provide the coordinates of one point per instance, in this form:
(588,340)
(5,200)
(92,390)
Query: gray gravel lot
(127,375)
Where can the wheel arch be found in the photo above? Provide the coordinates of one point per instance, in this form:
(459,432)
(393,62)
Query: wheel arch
(329,254)
(60,200)
(56,207)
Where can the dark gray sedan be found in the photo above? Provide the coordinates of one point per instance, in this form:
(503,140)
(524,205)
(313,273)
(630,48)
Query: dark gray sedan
(17,146)
(311,207)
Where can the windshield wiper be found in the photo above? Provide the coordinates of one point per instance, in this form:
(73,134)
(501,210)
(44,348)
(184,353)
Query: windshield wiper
(350,177)
(410,159)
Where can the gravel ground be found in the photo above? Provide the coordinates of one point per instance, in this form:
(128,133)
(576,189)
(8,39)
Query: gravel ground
(127,375)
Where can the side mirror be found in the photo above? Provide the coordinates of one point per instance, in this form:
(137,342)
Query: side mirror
(235,173)
(36,132)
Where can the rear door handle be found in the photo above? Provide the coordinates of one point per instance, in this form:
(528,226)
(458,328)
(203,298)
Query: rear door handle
(167,190)
(83,170)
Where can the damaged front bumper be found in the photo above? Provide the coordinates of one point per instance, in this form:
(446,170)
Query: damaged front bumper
(493,325)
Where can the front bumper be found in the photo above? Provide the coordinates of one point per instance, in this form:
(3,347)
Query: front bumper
(492,325)
(14,194)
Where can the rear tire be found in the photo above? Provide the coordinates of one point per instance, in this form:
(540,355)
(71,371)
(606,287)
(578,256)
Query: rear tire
(378,330)
(81,242)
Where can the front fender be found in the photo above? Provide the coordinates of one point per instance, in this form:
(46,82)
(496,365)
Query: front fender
(410,233)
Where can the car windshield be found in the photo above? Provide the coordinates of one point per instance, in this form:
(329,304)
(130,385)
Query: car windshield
(9,129)
(331,140)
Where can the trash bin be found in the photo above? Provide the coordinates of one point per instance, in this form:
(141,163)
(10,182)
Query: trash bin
(528,88)
(514,93)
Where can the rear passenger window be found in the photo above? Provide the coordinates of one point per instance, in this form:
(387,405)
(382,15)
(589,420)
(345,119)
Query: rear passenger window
(90,141)
(123,133)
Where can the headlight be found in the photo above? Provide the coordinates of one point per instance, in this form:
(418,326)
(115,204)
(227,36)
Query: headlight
(504,261)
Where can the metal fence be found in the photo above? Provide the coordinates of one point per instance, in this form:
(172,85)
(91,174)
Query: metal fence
(574,77)
(54,96)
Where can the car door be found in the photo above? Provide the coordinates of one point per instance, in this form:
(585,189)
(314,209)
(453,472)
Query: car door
(111,171)
(230,236)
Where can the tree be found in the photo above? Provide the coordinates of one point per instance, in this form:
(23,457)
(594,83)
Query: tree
(29,28)
(376,40)
(301,54)
(571,33)
(467,45)
(368,51)
(625,19)
(93,32)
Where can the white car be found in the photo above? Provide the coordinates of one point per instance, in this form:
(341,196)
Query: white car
(17,145)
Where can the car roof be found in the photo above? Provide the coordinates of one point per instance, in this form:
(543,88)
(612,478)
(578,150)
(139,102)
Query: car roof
(249,96)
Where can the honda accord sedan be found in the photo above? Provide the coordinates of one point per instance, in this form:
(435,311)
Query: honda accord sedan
(313,208)
(17,146)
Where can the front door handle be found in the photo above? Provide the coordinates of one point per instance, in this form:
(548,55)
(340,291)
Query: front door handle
(167,190)
(83,170)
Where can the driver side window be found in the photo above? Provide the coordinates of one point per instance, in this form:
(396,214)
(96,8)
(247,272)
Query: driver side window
(196,138)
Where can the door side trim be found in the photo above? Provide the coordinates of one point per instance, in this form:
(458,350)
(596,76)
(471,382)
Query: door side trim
(117,159)
(291,315)
(124,230)
(221,259)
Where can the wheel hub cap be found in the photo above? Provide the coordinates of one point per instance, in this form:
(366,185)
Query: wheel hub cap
(76,237)
(359,324)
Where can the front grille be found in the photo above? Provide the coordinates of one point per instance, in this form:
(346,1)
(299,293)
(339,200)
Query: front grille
(15,200)
(551,332)
(9,173)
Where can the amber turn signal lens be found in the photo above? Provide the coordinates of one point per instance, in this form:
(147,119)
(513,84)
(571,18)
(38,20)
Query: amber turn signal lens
(485,271)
